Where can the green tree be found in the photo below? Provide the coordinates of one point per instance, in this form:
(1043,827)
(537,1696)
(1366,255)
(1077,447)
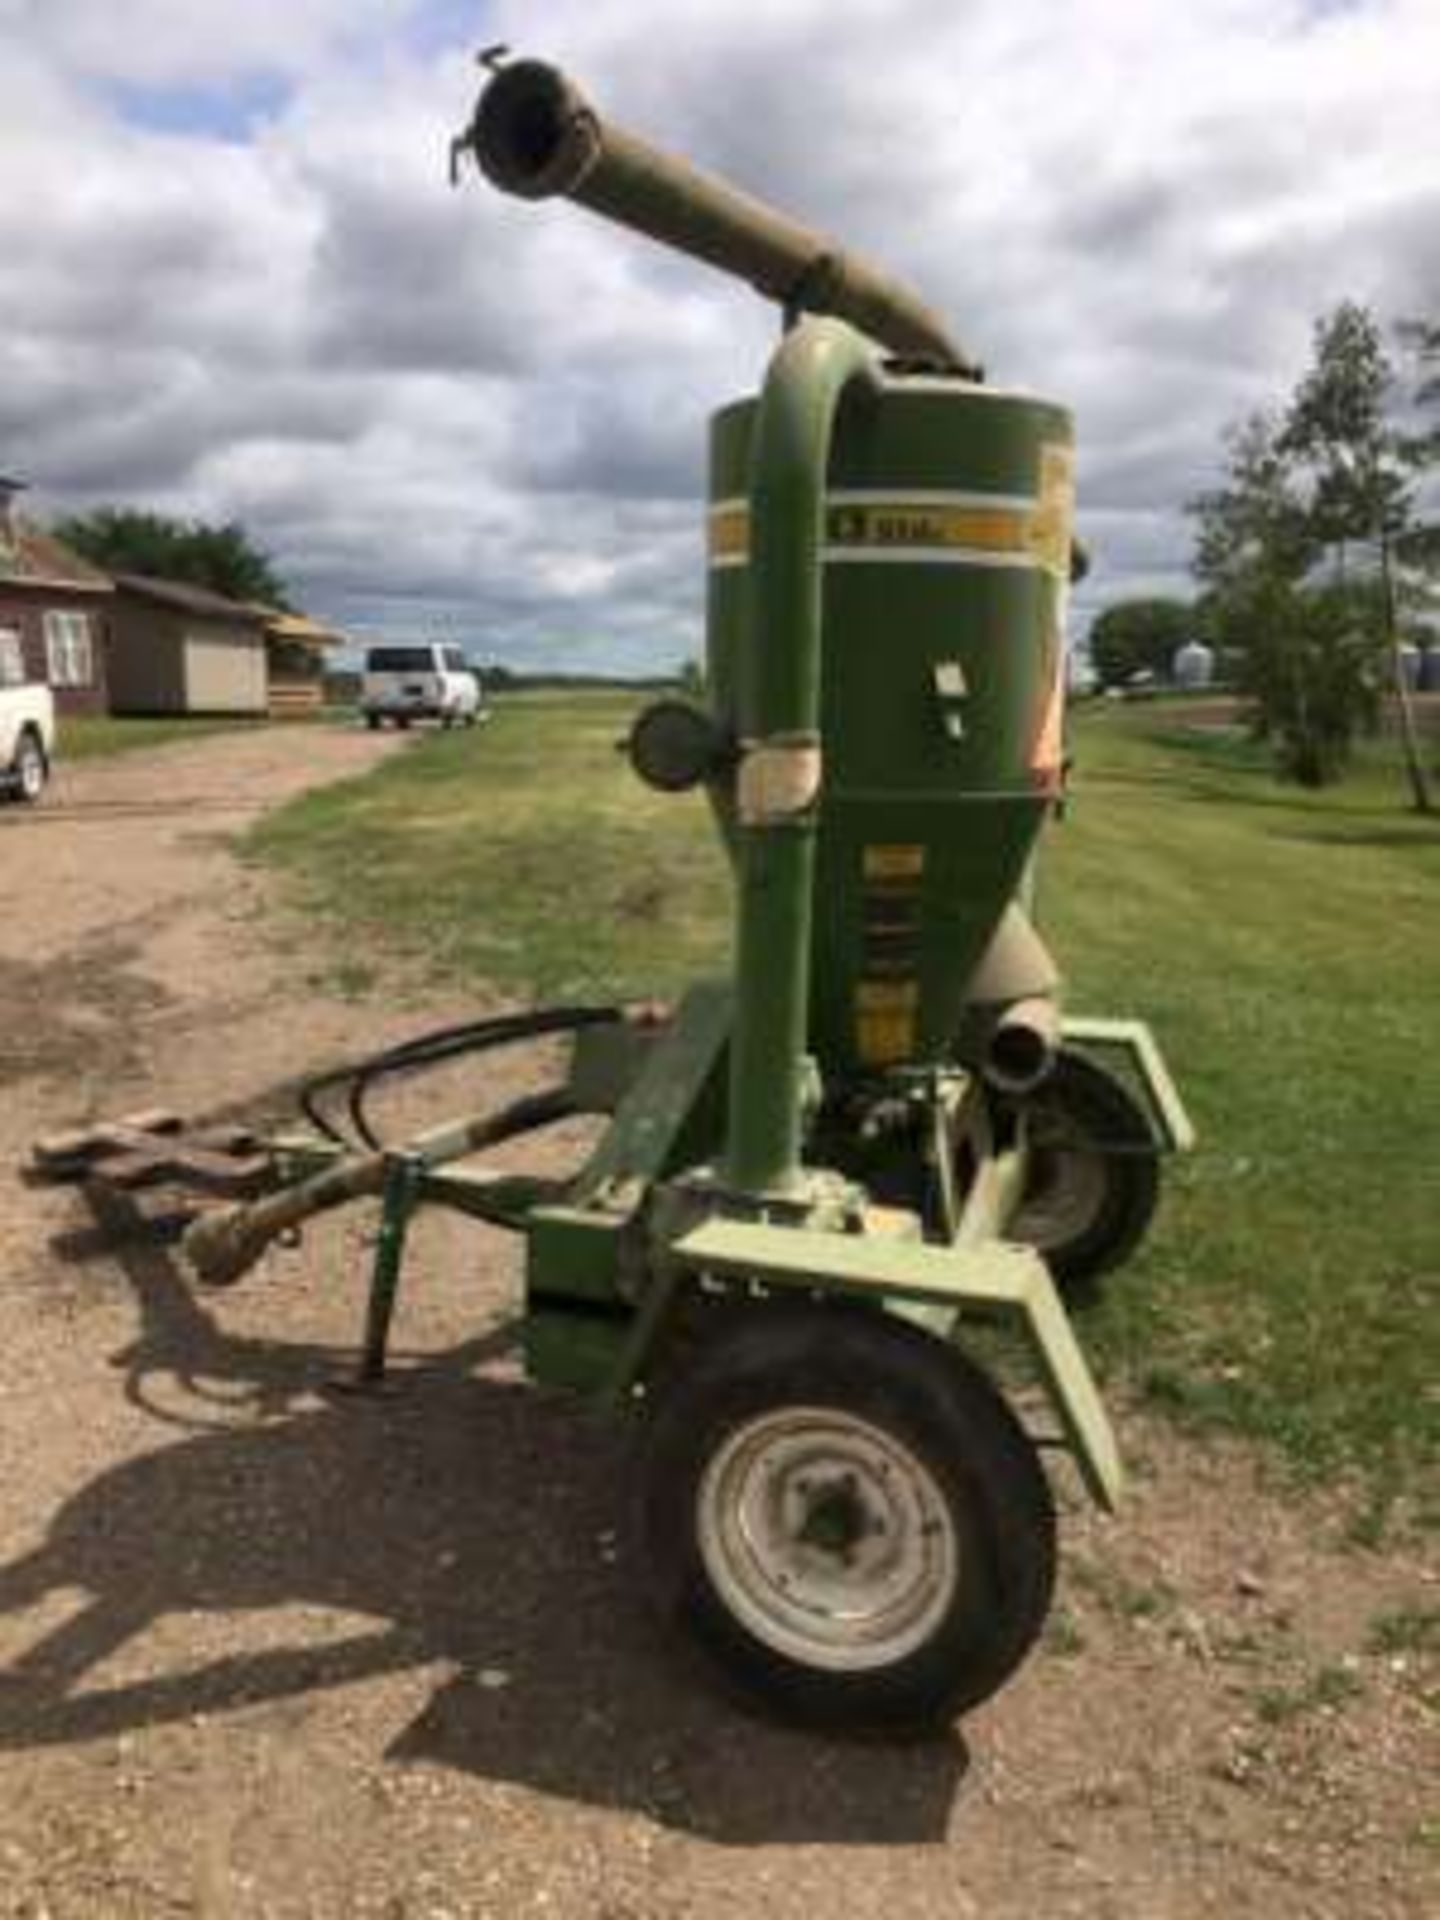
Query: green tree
(223,558)
(1359,468)
(1140,636)
(1417,550)
(1255,548)
(1306,549)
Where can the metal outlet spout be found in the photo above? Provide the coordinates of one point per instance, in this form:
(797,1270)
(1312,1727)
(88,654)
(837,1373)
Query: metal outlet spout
(535,134)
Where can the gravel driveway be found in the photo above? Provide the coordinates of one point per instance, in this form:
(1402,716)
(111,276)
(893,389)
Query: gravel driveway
(266,1653)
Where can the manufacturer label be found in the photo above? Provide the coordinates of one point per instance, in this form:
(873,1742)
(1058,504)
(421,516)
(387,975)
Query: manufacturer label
(956,527)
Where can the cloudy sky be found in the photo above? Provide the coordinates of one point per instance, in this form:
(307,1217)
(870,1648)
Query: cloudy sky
(234,282)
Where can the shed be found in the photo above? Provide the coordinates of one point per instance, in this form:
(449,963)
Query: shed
(296,647)
(56,607)
(182,649)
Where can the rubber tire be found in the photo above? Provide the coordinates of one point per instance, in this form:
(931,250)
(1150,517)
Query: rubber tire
(28,749)
(947,1412)
(1103,1113)
(372,721)
(403,722)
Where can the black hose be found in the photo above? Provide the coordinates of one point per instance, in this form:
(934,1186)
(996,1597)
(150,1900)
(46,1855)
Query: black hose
(416,1053)
(414,1058)
(433,1049)
(421,1048)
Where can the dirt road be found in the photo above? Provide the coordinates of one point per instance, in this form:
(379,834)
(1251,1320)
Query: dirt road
(263,1653)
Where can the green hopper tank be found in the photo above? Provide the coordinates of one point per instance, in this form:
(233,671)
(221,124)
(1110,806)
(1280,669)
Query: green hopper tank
(946,556)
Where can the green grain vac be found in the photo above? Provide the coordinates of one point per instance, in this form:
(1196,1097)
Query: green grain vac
(845,1186)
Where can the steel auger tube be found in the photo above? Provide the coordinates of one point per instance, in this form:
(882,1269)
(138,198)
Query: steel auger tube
(535,134)
(778,779)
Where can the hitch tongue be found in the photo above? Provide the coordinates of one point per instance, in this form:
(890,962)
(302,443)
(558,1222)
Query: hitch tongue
(156,1148)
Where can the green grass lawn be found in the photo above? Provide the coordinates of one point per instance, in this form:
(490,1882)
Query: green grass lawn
(90,736)
(524,852)
(1285,945)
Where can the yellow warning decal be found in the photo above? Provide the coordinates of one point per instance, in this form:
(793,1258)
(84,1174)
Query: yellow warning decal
(894,863)
(885,1012)
(730,534)
(887,995)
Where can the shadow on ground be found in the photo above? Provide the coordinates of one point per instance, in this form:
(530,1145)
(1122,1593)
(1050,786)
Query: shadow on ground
(472,1520)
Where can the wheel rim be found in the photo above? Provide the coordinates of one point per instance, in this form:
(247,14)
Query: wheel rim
(32,772)
(1063,1200)
(827,1538)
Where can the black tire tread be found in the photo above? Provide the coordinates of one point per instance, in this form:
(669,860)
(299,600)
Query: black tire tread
(941,1405)
(29,738)
(1104,1107)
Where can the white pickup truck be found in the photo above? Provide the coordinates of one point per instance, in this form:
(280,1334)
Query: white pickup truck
(27,726)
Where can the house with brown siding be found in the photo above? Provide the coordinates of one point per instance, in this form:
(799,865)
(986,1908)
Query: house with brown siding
(57,606)
(181,649)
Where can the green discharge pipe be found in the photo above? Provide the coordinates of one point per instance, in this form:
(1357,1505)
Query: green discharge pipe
(780,769)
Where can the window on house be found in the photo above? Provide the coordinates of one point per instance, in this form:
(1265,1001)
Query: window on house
(12,659)
(67,650)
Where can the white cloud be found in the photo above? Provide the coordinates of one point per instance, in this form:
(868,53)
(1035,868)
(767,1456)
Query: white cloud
(192,41)
(452,405)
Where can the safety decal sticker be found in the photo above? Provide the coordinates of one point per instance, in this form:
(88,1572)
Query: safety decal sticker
(887,995)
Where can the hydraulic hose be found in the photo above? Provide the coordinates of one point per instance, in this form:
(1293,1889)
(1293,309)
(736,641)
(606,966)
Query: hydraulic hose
(433,1049)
